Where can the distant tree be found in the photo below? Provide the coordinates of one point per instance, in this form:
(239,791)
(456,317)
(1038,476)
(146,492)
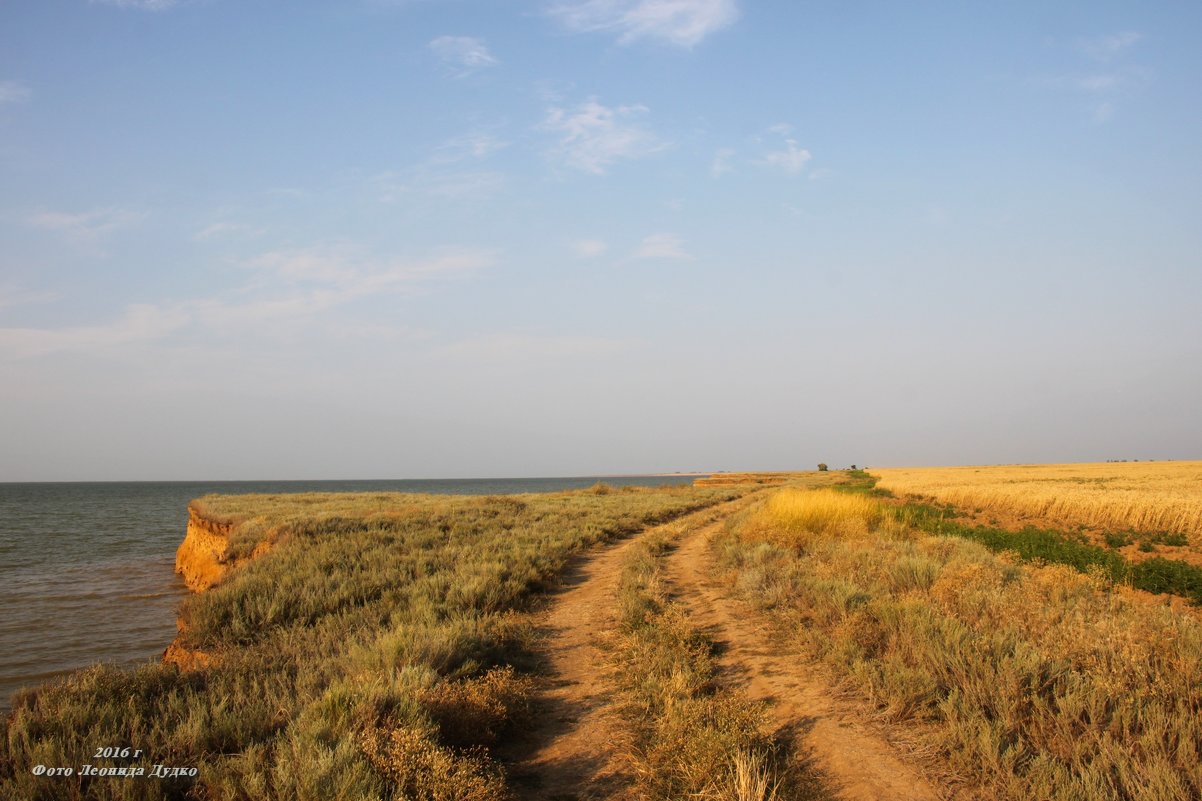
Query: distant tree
(853,467)
(822,467)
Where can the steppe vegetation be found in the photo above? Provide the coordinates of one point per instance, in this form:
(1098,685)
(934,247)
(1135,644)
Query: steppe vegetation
(377,650)
(1142,497)
(1013,680)
(385,646)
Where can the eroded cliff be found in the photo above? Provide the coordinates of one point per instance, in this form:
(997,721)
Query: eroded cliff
(202,560)
(201,557)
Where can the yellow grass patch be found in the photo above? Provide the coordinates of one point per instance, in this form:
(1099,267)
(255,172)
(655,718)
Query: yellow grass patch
(1135,496)
(800,517)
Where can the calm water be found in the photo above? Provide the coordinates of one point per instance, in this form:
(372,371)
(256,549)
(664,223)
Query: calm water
(87,570)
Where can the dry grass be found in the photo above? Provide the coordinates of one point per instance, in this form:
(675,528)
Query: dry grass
(1025,682)
(376,652)
(799,518)
(1123,496)
(691,736)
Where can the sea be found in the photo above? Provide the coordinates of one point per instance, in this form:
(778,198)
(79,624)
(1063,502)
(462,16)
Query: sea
(87,570)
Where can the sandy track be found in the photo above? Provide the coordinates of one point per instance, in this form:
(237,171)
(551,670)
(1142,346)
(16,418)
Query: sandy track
(856,763)
(568,752)
(572,751)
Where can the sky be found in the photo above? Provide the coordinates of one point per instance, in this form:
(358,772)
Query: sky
(246,239)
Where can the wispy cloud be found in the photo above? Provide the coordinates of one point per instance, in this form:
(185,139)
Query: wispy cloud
(791,158)
(301,287)
(87,224)
(722,162)
(225,229)
(589,248)
(476,145)
(139,323)
(14,296)
(295,285)
(1107,47)
(1103,111)
(523,347)
(683,23)
(341,274)
(424,181)
(14,92)
(1105,81)
(662,246)
(143,5)
(462,55)
(451,172)
(777,148)
(594,136)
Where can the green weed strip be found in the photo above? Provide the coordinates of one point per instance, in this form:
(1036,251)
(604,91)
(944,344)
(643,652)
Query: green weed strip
(1032,544)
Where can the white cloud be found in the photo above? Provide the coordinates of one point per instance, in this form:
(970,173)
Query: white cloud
(791,158)
(88,224)
(1103,85)
(721,163)
(463,55)
(144,5)
(683,23)
(662,246)
(589,248)
(220,230)
(14,92)
(594,136)
(1104,48)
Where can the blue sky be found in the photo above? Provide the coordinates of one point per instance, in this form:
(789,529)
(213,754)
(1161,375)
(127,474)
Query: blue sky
(443,238)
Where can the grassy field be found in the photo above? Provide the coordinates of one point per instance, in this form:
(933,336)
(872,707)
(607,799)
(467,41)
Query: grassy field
(383,645)
(377,650)
(1145,498)
(1017,681)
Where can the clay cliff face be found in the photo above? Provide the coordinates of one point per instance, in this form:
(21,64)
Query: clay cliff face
(200,558)
(201,561)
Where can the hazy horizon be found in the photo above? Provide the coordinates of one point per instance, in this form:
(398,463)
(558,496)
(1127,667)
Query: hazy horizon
(565,476)
(463,239)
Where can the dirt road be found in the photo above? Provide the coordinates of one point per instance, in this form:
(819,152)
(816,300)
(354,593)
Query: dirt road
(859,764)
(573,751)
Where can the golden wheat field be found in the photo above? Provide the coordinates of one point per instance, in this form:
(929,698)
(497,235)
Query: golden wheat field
(1118,496)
